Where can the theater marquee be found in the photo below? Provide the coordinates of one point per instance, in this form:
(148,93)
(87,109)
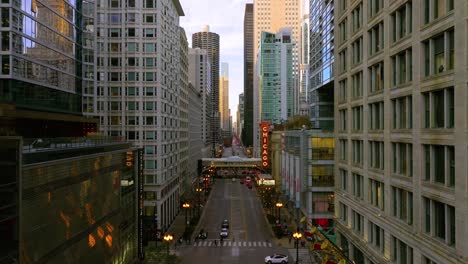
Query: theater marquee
(264,128)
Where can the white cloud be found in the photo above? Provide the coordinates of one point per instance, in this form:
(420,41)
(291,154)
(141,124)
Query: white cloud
(225,17)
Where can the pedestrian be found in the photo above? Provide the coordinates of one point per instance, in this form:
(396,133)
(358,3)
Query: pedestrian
(303,243)
(216,243)
(290,239)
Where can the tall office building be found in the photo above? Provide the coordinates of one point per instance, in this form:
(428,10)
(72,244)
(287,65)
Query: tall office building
(140,94)
(272,16)
(240,116)
(199,77)
(183,131)
(322,44)
(46,56)
(209,41)
(196,145)
(274,75)
(248,131)
(224,96)
(401,118)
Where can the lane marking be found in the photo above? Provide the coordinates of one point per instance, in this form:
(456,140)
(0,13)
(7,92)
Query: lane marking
(254,244)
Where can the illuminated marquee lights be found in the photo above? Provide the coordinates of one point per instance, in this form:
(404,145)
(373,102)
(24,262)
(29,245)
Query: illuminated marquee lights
(264,128)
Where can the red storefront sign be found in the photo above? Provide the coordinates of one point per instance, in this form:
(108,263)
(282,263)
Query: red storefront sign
(264,128)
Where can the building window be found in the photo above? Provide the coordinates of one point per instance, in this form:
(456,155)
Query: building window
(358,223)
(439,53)
(402,67)
(427,260)
(402,112)
(342,27)
(434,9)
(343,92)
(343,149)
(342,5)
(376,154)
(376,116)
(439,164)
(149,4)
(358,186)
(357,151)
(357,51)
(132,47)
(149,106)
(149,32)
(357,84)
(343,60)
(376,38)
(376,77)
(357,118)
(374,7)
(402,205)
(344,180)
(376,236)
(376,193)
(344,213)
(343,119)
(439,220)
(401,252)
(402,159)
(439,108)
(357,17)
(149,47)
(401,22)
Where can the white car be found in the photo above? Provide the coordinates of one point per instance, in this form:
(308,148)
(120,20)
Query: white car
(224,232)
(276,258)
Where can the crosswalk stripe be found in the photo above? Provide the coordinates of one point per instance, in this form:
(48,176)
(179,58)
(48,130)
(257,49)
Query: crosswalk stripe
(245,244)
(254,244)
(270,245)
(229,244)
(209,243)
(263,244)
(248,244)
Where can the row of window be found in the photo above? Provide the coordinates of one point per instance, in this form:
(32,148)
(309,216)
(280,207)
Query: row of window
(116,18)
(437,106)
(129,32)
(129,76)
(439,160)
(438,218)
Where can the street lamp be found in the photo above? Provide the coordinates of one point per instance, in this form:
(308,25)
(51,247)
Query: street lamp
(168,238)
(279,205)
(198,190)
(186,206)
(297,236)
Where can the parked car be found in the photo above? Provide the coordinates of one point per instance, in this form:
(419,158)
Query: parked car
(276,258)
(224,232)
(225,224)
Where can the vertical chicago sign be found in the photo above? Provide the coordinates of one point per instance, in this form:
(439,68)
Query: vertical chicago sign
(264,128)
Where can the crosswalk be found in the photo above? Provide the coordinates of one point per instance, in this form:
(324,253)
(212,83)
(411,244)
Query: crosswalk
(247,244)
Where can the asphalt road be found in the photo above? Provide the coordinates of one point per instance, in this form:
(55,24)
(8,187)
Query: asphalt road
(249,239)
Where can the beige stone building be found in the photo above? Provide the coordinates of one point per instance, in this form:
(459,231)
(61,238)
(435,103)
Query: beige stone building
(400,121)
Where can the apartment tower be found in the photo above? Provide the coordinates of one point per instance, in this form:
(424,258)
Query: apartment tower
(141,94)
(247,132)
(209,41)
(400,122)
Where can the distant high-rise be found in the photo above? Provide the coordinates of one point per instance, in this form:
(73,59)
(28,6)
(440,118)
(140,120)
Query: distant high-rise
(209,41)
(272,16)
(274,75)
(199,77)
(224,96)
(247,132)
(240,116)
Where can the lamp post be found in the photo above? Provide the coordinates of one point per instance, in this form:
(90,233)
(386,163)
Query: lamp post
(198,190)
(168,238)
(279,205)
(297,236)
(186,206)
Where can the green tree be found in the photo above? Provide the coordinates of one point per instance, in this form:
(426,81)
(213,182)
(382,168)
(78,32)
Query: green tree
(298,122)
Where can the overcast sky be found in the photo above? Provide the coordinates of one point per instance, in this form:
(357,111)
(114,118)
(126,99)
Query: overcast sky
(225,17)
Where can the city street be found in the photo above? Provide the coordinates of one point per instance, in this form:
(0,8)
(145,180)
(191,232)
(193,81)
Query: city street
(249,240)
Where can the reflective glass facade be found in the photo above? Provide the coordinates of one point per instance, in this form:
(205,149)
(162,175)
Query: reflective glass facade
(41,54)
(80,210)
(321,34)
(275,62)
